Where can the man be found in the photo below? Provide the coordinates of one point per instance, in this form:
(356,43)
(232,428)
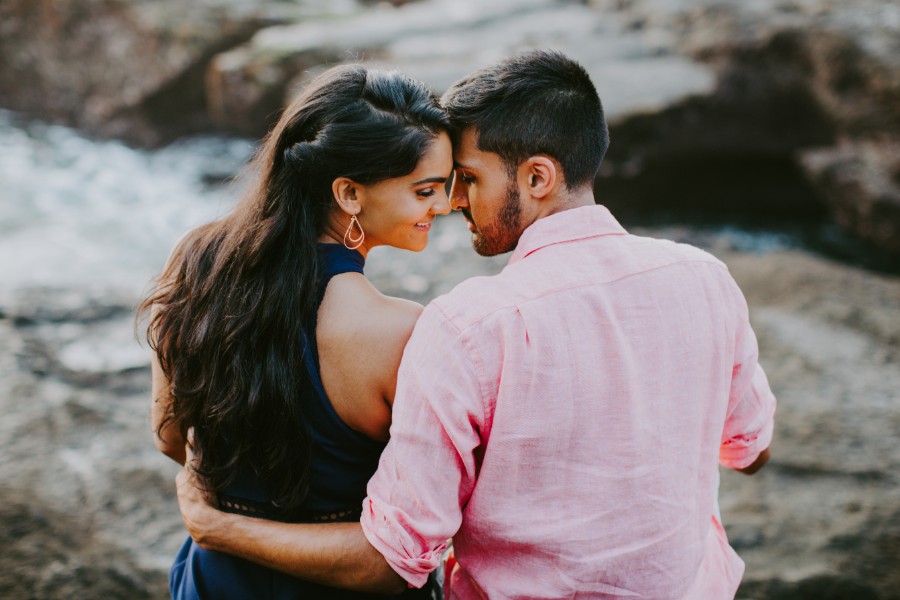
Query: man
(563,420)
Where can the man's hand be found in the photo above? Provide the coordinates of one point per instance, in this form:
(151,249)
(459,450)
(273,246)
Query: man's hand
(201,519)
(758,464)
(335,554)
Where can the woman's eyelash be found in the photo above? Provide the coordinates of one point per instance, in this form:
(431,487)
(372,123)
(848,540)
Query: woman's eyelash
(426,193)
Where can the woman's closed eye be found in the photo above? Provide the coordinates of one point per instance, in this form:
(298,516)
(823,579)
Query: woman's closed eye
(427,192)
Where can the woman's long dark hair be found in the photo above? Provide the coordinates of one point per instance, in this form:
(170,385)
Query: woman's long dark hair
(227,312)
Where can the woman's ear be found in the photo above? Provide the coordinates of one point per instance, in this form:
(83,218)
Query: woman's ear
(540,173)
(346,194)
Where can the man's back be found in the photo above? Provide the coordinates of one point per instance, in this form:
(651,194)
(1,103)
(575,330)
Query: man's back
(587,392)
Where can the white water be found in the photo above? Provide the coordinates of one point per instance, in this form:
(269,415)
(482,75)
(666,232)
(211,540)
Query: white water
(85,214)
(81,213)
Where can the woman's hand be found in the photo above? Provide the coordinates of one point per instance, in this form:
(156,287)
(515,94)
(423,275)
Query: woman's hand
(203,522)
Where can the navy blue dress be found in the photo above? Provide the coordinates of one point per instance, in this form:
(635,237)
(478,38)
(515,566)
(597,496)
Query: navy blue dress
(341,463)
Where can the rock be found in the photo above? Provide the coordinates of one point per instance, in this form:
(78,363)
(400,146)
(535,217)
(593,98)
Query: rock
(88,506)
(710,104)
(52,555)
(439,42)
(793,79)
(819,587)
(822,516)
(860,183)
(117,68)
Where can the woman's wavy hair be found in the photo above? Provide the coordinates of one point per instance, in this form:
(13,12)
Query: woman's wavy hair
(227,312)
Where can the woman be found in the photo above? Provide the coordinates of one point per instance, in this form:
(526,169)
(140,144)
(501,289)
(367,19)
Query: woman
(269,341)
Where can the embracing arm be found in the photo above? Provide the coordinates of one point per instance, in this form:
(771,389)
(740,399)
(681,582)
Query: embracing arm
(335,554)
(749,421)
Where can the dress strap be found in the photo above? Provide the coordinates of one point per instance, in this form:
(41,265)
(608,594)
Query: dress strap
(335,259)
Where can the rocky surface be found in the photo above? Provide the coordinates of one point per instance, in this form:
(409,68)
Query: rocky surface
(123,68)
(88,506)
(804,115)
(860,182)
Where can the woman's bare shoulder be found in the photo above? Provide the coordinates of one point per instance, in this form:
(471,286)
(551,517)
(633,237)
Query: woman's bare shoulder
(361,335)
(354,309)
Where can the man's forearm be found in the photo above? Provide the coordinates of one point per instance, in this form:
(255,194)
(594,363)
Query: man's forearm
(335,554)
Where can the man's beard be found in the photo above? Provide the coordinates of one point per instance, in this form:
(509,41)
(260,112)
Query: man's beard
(503,233)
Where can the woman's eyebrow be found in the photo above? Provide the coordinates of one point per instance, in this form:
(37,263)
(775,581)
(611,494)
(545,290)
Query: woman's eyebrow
(431,180)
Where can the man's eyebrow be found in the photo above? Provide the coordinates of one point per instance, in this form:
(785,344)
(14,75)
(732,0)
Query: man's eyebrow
(431,180)
(457,165)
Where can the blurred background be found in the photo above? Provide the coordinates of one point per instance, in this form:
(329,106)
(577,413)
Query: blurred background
(766,132)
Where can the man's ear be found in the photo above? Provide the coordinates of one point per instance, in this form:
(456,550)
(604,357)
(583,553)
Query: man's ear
(540,173)
(346,194)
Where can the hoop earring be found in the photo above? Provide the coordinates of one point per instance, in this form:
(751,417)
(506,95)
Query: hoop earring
(348,235)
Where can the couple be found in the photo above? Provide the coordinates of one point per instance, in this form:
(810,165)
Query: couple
(562,421)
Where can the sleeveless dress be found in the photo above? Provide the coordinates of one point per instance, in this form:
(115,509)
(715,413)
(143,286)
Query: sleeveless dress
(342,461)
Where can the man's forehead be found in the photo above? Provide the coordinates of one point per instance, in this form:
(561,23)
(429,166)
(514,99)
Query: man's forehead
(466,153)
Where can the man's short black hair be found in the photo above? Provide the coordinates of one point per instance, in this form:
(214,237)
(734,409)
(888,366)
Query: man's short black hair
(539,102)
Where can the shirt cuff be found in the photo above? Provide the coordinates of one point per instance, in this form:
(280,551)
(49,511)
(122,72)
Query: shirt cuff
(739,452)
(397,545)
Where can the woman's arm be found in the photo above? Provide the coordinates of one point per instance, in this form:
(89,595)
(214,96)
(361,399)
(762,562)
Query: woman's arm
(166,435)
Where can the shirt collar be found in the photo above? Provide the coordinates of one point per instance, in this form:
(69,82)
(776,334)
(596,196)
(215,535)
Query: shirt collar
(566,226)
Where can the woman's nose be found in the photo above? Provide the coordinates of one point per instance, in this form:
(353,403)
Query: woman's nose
(441,204)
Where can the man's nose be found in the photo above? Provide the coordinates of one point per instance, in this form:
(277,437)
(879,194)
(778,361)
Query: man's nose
(458,197)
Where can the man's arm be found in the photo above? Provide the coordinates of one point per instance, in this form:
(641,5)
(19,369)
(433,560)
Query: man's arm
(335,554)
(749,420)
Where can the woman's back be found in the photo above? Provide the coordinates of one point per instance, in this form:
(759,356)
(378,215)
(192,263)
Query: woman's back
(342,458)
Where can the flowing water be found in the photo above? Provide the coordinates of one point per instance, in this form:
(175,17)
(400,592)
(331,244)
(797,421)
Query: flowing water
(76,212)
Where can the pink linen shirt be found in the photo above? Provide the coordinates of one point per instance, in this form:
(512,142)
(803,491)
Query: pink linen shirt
(564,419)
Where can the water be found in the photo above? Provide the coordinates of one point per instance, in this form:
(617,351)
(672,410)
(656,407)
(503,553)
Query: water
(76,212)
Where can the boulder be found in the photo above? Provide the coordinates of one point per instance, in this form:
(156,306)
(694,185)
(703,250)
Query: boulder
(711,104)
(860,183)
(799,85)
(117,68)
(440,41)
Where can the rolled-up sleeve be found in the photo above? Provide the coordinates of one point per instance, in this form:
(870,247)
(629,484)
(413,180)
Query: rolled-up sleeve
(426,473)
(750,418)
